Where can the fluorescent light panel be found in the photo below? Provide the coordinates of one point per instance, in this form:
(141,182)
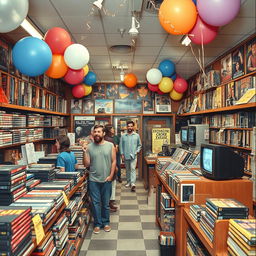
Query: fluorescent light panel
(31,29)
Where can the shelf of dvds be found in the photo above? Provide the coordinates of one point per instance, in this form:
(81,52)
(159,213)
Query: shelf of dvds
(231,128)
(232,146)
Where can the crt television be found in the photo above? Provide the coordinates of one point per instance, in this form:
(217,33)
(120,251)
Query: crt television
(184,135)
(220,162)
(196,135)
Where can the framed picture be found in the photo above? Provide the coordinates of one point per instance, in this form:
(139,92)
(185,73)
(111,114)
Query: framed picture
(226,68)
(126,93)
(112,91)
(187,193)
(123,106)
(103,106)
(163,104)
(251,56)
(148,106)
(83,126)
(238,62)
(88,106)
(99,91)
(143,93)
(76,106)
(4,56)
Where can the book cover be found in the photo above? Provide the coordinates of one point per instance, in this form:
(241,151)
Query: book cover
(246,227)
(88,106)
(103,106)
(112,91)
(238,62)
(162,104)
(226,68)
(83,126)
(248,97)
(99,91)
(251,56)
(160,136)
(148,106)
(76,106)
(221,204)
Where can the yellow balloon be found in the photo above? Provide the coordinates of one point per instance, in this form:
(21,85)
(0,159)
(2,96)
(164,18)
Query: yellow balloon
(166,85)
(86,70)
(175,95)
(87,89)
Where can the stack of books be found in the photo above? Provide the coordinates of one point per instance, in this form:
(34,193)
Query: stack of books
(71,211)
(76,176)
(220,209)
(15,230)
(166,200)
(196,211)
(49,159)
(5,138)
(82,189)
(47,247)
(12,183)
(68,250)
(242,237)
(58,185)
(31,182)
(75,229)
(43,172)
(78,153)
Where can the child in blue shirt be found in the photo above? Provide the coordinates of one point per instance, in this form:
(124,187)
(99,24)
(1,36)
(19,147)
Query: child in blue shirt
(66,160)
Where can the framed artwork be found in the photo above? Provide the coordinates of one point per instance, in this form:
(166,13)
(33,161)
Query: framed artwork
(112,91)
(143,93)
(226,68)
(251,56)
(148,106)
(83,126)
(103,106)
(126,93)
(162,104)
(123,106)
(76,106)
(88,106)
(4,55)
(99,91)
(238,62)
(187,193)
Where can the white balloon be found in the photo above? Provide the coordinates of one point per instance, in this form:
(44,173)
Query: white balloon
(12,13)
(76,56)
(154,76)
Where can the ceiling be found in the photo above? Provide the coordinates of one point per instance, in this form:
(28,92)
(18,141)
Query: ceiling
(98,31)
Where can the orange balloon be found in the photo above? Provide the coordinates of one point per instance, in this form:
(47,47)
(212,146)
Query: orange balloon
(130,80)
(177,16)
(58,67)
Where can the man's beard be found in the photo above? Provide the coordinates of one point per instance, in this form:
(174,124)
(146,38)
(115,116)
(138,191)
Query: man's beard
(130,130)
(97,139)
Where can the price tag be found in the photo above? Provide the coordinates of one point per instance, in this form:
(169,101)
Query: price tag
(65,198)
(38,227)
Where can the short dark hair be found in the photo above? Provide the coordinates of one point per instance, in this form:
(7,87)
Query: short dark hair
(130,122)
(99,126)
(108,127)
(64,143)
(76,101)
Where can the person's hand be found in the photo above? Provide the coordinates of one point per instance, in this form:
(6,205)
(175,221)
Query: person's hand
(84,145)
(122,156)
(109,178)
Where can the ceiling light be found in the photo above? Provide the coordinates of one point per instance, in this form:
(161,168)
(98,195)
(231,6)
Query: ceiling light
(185,40)
(31,29)
(98,4)
(134,29)
(122,74)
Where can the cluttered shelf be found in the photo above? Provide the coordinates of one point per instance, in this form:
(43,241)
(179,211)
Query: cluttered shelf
(32,127)
(231,128)
(232,146)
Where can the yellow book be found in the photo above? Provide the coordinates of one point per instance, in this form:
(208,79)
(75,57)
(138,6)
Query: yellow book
(249,96)
(160,136)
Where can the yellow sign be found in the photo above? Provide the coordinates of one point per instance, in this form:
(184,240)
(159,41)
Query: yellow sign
(65,198)
(38,227)
(160,136)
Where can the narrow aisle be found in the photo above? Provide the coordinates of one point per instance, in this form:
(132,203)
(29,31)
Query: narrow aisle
(133,233)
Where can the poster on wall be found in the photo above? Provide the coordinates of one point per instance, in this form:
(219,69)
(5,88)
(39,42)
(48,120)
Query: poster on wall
(143,93)
(160,136)
(112,91)
(99,91)
(163,104)
(88,106)
(126,93)
(76,106)
(148,106)
(226,68)
(82,126)
(251,56)
(128,106)
(238,62)
(103,106)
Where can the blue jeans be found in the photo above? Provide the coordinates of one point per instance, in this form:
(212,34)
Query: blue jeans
(100,194)
(130,166)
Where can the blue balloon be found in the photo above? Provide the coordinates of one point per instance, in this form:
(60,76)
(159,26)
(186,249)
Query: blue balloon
(174,76)
(167,68)
(31,56)
(90,78)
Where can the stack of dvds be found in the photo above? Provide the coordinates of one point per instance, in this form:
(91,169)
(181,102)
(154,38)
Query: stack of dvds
(49,159)
(75,229)
(84,219)
(47,247)
(194,245)
(35,120)
(76,176)
(59,185)
(60,232)
(12,183)
(5,138)
(220,209)
(31,182)
(16,136)
(82,189)
(43,172)
(78,151)
(71,211)
(70,183)
(196,211)
(5,120)
(68,250)
(242,237)
(166,200)
(15,231)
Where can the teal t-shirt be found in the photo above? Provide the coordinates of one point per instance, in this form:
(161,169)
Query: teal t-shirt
(67,160)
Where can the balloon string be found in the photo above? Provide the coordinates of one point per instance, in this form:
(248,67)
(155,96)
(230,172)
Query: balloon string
(202,46)
(198,61)
(153,4)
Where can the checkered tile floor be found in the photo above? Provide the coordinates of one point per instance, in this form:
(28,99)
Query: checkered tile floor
(133,228)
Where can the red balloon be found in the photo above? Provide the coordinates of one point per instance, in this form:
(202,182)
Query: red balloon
(202,33)
(78,91)
(153,87)
(160,92)
(180,85)
(58,40)
(74,76)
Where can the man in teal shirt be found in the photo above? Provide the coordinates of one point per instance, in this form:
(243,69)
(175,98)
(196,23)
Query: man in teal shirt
(130,146)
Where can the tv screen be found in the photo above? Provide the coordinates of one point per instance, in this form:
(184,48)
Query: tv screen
(192,135)
(207,159)
(184,135)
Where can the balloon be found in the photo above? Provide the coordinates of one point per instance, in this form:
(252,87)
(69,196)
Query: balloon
(58,67)
(175,95)
(86,70)
(166,85)
(202,33)
(90,78)
(180,85)
(167,67)
(58,39)
(153,87)
(218,13)
(130,80)
(194,1)
(76,56)
(177,16)
(174,76)
(12,14)
(159,92)
(74,76)
(31,56)
(88,89)
(154,76)
(78,91)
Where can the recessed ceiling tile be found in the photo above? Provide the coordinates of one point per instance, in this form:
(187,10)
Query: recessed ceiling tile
(112,24)
(248,9)
(173,40)
(121,59)
(90,39)
(99,59)
(189,60)
(147,50)
(41,8)
(173,51)
(103,71)
(115,8)
(225,41)
(151,25)
(98,50)
(45,22)
(116,39)
(141,66)
(151,39)
(164,57)
(106,65)
(144,59)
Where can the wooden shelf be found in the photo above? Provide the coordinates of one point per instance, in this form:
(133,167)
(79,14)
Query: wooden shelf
(22,143)
(232,146)
(236,107)
(23,108)
(31,127)
(231,128)
(248,173)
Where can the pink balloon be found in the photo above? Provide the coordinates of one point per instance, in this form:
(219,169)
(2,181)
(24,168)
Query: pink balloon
(78,91)
(180,85)
(153,87)
(160,92)
(202,33)
(74,76)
